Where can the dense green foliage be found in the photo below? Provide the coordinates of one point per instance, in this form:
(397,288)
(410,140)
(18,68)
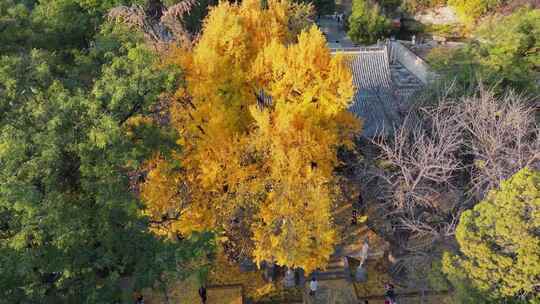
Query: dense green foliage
(505,54)
(71,91)
(390,5)
(508,48)
(366,23)
(52,25)
(324,7)
(499,241)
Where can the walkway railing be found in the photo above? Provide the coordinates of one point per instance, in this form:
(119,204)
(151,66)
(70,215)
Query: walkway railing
(406,295)
(356,49)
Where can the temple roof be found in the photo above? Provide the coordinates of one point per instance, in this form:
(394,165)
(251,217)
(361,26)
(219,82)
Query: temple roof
(380,89)
(370,68)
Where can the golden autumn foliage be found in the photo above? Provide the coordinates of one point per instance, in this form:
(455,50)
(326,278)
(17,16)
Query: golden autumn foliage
(241,157)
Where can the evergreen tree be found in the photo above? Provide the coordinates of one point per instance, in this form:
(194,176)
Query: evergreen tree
(324,7)
(504,55)
(366,23)
(499,241)
(73,125)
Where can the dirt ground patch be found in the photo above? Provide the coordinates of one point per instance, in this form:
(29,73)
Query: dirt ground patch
(224,295)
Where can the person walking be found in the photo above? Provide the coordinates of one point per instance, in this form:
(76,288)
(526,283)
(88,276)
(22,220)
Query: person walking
(389,294)
(313,285)
(202,294)
(354,217)
(364,251)
(140,299)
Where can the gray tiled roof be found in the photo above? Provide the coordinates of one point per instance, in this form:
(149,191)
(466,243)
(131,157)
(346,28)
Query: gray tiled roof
(370,68)
(380,89)
(378,110)
(375,100)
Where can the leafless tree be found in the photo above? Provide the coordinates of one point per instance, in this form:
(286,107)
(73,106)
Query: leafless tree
(502,137)
(160,25)
(421,164)
(443,159)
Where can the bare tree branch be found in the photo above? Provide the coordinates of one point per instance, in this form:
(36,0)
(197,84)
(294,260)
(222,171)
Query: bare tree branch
(158,32)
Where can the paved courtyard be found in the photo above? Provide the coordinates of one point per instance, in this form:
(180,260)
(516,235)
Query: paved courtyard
(337,291)
(335,35)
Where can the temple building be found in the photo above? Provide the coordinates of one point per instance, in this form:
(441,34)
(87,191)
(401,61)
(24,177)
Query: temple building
(385,77)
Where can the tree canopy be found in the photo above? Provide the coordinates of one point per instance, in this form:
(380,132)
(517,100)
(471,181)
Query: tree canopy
(503,55)
(74,94)
(323,7)
(499,242)
(366,23)
(260,119)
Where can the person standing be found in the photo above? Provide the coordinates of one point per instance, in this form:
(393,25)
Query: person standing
(361,205)
(288,281)
(364,252)
(354,218)
(389,293)
(140,299)
(313,285)
(202,294)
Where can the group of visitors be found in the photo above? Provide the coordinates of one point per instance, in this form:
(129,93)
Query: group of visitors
(389,294)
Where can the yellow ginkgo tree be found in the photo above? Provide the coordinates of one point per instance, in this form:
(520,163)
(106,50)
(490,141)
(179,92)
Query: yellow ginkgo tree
(260,120)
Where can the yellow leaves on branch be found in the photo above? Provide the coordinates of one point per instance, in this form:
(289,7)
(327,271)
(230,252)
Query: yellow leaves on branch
(276,160)
(305,73)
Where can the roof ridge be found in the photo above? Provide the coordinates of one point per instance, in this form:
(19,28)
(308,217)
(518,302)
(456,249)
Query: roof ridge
(361,49)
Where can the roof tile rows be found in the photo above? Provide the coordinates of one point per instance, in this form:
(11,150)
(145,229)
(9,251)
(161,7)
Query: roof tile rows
(381,89)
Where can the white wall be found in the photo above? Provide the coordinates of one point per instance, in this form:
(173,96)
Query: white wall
(410,61)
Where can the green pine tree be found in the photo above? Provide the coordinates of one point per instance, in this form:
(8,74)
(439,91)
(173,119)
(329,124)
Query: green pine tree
(499,241)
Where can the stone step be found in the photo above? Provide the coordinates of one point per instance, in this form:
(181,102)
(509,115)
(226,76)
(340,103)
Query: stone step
(331,275)
(337,253)
(331,270)
(352,249)
(353,231)
(337,263)
(334,269)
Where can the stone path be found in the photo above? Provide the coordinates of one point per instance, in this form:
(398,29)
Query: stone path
(225,295)
(335,291)
(335,283)
(335,35)
(334,286)
(439,297)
